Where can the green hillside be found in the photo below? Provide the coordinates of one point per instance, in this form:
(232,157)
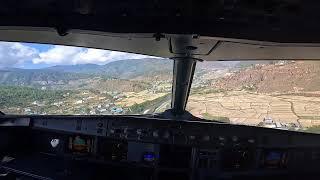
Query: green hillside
(21,96)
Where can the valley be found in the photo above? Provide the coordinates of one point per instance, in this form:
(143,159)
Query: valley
(84,89)
(277,94)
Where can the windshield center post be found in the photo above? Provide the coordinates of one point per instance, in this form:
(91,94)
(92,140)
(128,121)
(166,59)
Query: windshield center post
(183,71)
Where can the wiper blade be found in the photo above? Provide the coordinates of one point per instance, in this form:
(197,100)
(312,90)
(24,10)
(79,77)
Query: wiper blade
(215,121)
(2,113)
(167,116)
(186,116)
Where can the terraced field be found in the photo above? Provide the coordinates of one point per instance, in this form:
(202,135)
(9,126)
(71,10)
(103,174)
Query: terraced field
(242,107)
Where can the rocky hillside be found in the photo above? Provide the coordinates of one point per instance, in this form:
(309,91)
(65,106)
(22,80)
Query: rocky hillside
(299,76)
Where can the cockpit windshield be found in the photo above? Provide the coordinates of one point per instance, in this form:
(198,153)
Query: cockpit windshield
(39,79)
(273,94)
(42,79)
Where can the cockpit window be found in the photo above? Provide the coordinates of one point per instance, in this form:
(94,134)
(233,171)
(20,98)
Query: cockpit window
(273,94)
(50,79)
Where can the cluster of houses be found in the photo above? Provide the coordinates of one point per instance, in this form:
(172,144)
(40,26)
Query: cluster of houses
(109,108)
(99,105)
(160,86)
(268,122)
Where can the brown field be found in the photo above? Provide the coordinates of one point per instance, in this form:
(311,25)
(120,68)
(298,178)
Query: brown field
(243,107)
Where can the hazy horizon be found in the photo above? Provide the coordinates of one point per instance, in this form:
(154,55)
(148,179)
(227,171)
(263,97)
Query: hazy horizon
(49,66)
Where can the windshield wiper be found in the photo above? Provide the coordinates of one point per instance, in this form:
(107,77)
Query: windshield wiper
(2,113)
(168,114)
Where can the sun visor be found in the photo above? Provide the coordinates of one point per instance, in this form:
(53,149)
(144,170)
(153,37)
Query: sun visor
(164,45)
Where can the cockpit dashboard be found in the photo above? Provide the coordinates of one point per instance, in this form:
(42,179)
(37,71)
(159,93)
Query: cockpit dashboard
(137,147)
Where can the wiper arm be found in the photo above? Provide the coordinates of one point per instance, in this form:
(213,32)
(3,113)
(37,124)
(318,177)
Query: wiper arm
(2,113)
(216,121)
(186,116)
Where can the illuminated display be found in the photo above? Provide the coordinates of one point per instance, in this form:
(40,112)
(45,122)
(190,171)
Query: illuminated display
(80,144)
(274,159)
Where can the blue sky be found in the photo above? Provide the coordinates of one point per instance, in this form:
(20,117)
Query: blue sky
(34,56)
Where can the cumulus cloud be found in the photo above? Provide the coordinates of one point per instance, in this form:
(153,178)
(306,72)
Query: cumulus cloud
(15,54)
(76,55)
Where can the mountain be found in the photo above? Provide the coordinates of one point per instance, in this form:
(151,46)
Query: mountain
(299,76)
(244,64)
(79,68)
(123,69)
(38,77)
(125,75)
(145,71)
(129,69)
(213,65)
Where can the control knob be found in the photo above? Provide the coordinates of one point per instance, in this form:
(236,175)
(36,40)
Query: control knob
(206,138)
(192,137)
(166,135)
(155,134)
(111,131)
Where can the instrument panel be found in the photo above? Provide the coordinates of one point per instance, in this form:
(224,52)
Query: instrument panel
(192,149)
(191,133)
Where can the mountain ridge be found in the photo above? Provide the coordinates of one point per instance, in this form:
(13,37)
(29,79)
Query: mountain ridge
(86,75)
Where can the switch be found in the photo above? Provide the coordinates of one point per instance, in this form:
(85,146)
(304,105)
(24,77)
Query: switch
(206,138)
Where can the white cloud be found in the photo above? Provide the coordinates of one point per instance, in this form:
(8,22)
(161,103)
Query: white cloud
(77,55)
(57,55)
(15,54)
